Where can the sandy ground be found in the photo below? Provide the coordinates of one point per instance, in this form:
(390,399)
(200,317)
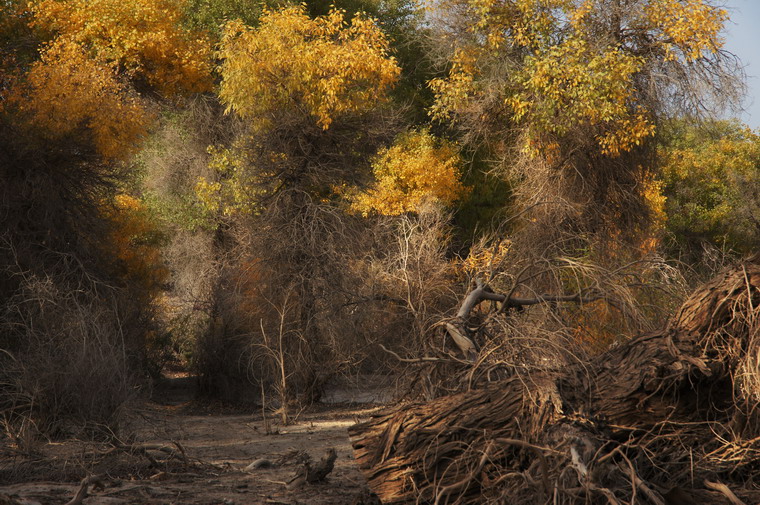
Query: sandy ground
(218,448)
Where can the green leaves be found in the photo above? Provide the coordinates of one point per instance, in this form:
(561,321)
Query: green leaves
(712,185)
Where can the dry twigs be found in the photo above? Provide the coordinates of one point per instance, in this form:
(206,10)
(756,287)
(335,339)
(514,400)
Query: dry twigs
(145,450)
(671,413)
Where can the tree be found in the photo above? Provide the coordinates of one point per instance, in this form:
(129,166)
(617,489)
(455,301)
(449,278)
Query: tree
(711,177)
(568,94)
(290,61)
(67,121)
(310,95)
(143,38)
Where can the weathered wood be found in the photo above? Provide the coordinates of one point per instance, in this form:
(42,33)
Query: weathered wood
(605,419)
(456,326)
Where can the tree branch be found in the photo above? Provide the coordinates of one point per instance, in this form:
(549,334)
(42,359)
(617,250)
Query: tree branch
(482,292)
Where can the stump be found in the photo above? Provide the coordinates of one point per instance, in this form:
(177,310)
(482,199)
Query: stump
(667,418)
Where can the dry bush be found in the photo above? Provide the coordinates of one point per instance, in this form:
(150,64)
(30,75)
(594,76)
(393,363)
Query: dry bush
(167,169)
(72,329)
(412,270)
(287,284)
(75,359)
(306,297)
(404,284)
(558,312)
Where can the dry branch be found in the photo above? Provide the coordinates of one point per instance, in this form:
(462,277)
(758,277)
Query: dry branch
(82,491)
(483,292)
(663,414)
(145,450)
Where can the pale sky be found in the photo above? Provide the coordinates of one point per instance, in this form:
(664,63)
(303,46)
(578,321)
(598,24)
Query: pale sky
(743,39)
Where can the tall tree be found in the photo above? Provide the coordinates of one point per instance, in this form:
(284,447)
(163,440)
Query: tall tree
(311,93)
(568,95)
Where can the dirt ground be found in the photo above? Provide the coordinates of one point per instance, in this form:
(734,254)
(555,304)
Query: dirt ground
(183,452)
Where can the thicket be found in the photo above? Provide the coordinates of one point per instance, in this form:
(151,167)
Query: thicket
(269,196)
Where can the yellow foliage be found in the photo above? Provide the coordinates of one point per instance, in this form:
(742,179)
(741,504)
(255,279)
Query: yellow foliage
(568,77)
(418,167)
(687,27)
(453,92)
(133,243)
(527,23)
(574,83)
(65,91)
(234,191)
(652,192)
(324,66)
(143,37)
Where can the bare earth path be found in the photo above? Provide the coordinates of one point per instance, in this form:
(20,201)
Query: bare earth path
(217,449)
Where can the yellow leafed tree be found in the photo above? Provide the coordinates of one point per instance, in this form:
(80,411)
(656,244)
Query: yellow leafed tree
(585,65)
(323,66)
(567,94)
(417,168)
(145,38)
(66,91)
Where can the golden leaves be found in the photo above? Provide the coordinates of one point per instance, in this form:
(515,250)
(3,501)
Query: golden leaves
(568,77)
(687,28)
(143,37)
(66,90)
(76,84)
(453,92)
(418,167)
(575,83)
(324,66)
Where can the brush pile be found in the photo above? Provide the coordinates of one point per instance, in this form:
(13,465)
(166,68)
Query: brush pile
(668,418)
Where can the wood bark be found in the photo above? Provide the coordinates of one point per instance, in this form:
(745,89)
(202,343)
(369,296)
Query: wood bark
(646,422)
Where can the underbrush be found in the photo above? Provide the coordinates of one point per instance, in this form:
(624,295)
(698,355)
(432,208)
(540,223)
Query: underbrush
(70,360)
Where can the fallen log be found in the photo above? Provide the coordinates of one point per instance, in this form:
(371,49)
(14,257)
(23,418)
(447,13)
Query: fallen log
(650,421)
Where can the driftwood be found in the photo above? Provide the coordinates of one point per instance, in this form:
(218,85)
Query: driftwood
(94,480)
(668,418)
(482,292)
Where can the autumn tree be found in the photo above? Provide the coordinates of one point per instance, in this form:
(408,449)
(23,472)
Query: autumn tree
(568,96)
(70,117)
(312,94)
(144,38)
(59,288)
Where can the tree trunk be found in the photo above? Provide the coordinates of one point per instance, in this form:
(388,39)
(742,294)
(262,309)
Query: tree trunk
(663,419)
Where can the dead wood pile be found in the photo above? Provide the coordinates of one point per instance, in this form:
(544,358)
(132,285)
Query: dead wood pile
(668,418)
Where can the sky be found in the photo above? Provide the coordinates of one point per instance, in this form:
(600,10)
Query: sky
(743,39)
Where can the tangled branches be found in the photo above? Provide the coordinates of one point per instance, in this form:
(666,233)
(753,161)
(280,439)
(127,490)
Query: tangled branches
(669,416)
